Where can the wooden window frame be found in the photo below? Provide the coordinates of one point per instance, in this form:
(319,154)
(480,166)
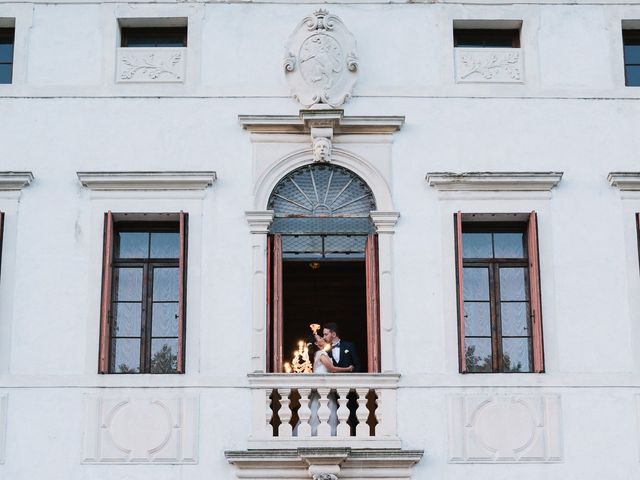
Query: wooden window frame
(275,312)
(150,32)
(111,227)
(486,36)
(531,263)
(1,239)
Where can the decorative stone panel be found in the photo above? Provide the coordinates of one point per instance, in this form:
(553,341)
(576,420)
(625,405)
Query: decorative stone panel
(141,430)
(155,65)
(3,426)
(489,65)
(321,63)
(504,429)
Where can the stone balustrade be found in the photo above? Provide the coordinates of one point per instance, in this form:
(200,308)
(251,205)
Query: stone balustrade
(355,410)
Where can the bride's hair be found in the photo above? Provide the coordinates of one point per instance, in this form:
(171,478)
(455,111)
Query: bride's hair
(312,347)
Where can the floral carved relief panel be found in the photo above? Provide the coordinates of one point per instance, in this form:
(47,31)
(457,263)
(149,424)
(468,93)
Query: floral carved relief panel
(141,430)
(504,429)
(489,65)
(157,65)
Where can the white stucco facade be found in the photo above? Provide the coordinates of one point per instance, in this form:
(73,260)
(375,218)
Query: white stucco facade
(218,133)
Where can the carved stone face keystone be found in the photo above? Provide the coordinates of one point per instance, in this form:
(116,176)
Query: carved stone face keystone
(321,62)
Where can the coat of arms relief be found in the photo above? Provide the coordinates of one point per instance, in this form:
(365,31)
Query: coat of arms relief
(321,63)
(321,67)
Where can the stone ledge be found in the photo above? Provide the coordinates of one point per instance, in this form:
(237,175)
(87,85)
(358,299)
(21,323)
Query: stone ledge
(15,180)
(494,181)
(303,463)
(625,181)
(193,180)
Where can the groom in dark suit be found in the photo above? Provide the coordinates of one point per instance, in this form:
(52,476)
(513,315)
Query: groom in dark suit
(342,353)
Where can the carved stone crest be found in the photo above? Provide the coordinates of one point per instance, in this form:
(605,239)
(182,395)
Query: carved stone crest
(321,63)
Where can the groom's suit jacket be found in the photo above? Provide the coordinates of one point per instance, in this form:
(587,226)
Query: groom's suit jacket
(348,356)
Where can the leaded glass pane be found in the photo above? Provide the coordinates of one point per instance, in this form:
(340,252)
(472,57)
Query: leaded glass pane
(133,245)
(513,283)
(165,284)
(476,283)
(165,320)
(508,245)
(477,245)
(477,353)
(126,319)
(515,355)
(477,320)
(165,245)
(128,284)
(164,355)
(125,355)
(514,318)
(321,191)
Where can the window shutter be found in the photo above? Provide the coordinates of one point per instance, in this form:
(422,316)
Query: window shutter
(182,291)
(459,290)
(373,304)
(534,292)
(637,232)
(269,331)
(1,238)
(277,304)
(105,307)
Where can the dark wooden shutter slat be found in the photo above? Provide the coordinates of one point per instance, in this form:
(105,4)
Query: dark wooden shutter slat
(459,290)
(105,307)
(373,303)
(269,326)
(534,289)
(1,239)
(182,291)
(277,305)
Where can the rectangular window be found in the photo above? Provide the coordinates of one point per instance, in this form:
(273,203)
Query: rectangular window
(631,41)
(143,309)
(498,293)
(486,38)
(153,37)
(7,36)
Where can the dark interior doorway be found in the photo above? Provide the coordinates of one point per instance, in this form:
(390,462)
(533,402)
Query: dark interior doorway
(333,291)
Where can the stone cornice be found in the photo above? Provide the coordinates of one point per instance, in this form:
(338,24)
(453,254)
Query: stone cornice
(193,180)
(259,221)
(335,119)
(385,222)
(625,181)
(363,463)
(494,181)
(353,380)
(15,180)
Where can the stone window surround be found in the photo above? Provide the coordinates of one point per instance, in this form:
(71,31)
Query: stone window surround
(143,192)
(153,15)
(11,186)
(291,135)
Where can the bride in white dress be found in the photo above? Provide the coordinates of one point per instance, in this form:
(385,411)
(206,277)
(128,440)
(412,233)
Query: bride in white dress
(322,364)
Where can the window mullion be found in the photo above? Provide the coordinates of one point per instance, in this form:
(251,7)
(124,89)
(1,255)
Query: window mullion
(498,320)
(145,335)
(492,310)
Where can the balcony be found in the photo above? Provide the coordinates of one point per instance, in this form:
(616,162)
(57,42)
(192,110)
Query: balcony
(336,410)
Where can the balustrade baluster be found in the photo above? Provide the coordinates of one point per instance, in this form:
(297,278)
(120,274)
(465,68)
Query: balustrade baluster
(285,413)
(324,429)
(343,430)
(362,430)
(269,411)
(304,429)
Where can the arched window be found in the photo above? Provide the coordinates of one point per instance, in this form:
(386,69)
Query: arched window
(323,261)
